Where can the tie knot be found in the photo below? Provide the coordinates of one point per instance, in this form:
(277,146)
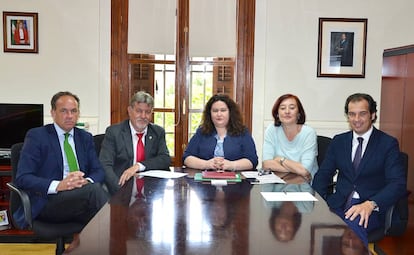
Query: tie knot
(66,136)
(140,135)
(360,140)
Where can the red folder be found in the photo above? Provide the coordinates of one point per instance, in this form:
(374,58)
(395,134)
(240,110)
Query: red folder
(218,175)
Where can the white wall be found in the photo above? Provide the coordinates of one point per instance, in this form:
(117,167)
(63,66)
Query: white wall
(286,48)
(74,55)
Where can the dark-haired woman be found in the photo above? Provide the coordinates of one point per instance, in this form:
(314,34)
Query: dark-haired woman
(222,142)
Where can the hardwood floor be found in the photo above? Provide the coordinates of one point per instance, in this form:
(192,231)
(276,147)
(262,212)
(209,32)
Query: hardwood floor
(402,245)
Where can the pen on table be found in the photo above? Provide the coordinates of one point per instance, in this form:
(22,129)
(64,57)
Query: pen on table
(256,181)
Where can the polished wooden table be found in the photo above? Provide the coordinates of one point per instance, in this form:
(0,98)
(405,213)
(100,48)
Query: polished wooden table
(181,216)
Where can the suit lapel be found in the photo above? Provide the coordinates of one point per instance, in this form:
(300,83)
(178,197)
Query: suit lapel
(348,151)
(54,143)
(369,150)
(149,139)
(127,139)
(80,149)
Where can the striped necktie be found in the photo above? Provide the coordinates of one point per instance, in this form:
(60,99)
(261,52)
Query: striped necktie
(358,154)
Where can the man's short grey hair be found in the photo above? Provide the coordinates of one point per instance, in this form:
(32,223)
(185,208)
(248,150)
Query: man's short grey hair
(142,97)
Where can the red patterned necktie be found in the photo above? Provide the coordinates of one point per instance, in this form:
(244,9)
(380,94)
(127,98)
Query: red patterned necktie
(140,157)
(140,148)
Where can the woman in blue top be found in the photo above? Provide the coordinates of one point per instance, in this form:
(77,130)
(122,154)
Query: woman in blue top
(222,142)
(289,144)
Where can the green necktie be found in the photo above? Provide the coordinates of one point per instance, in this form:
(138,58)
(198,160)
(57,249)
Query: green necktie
(70,156)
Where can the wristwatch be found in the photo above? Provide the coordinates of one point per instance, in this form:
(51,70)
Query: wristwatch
(376,208)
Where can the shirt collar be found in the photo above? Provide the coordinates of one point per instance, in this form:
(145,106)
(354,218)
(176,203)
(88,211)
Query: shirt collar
(62,132)
(366,135)
(134,132)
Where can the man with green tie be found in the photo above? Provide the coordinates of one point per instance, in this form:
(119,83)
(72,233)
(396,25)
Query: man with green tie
(60,170)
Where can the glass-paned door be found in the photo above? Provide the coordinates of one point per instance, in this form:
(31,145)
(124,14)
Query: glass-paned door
(155,74)
(179,68)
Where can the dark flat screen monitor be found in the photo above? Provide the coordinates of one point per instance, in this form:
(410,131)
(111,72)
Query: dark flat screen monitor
(16,120)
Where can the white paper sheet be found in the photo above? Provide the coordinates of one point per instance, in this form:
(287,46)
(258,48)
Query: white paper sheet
(262,179)
(162,174)
(216,182)
(288,196)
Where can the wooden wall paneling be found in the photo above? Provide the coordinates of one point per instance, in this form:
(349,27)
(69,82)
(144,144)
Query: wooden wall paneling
(393,83)
(397,101)
(408,120)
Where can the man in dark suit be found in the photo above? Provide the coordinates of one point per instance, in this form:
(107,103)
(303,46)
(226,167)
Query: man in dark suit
(59,193)
(119,152)
(363,191)
(346,50)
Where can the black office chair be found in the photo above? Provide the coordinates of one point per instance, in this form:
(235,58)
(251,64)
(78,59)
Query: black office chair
(98,139)
(396,219)
(323,144)
(60,232)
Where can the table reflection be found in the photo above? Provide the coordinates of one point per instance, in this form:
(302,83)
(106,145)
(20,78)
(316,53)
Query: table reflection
(219,203)
(351,244)
(286,216)
(182,216)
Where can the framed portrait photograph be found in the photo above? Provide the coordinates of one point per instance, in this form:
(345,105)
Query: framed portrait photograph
(342,47)
(20,32)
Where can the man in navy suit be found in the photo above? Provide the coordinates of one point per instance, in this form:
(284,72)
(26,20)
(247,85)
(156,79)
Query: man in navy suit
(363,193)
(119,148)
(56,193)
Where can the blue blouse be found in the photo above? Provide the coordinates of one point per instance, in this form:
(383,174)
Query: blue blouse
(235,147)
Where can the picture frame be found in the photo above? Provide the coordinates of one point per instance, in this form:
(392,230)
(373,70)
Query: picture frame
(4,221)
(342,47)
(20,32)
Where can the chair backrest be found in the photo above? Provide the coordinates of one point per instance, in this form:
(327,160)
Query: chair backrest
(42,229)
(323,143)
(15,201)
(398,218)
(98,139)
